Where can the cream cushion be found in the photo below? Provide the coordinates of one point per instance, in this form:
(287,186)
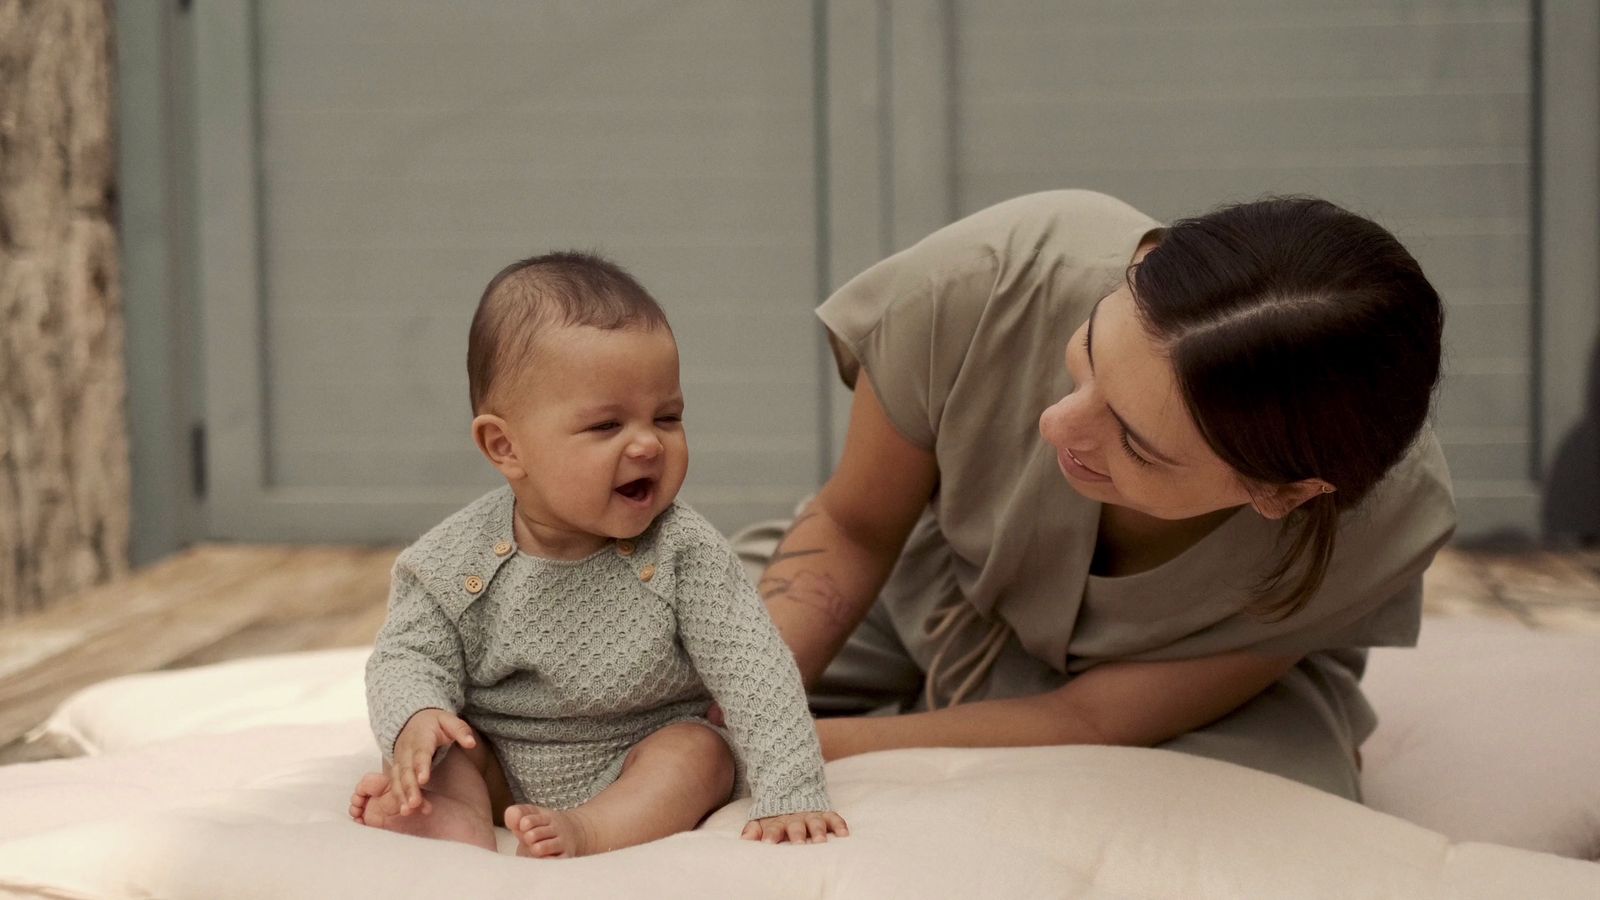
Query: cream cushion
(260,812)
(203,781)
(1490,732)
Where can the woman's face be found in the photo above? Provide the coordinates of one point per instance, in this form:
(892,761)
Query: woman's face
(1124,436)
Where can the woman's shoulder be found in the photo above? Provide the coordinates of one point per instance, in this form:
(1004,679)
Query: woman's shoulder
(1063,207)
(1371,593)
(1072,224)
(1055,242)
(1415,494)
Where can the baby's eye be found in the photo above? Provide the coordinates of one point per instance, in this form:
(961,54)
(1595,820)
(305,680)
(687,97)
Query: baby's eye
(612,425)
(668,420)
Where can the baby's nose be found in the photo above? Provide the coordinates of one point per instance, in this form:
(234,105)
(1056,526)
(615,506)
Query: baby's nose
(645,447)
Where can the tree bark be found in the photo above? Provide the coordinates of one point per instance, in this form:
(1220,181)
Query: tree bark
(64,476)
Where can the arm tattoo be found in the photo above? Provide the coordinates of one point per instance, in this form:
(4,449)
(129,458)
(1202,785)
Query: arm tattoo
(816,590)
(779,554)
(811,589)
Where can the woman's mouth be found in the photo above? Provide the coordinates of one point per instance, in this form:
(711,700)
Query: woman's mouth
(638,492)
(1074,468)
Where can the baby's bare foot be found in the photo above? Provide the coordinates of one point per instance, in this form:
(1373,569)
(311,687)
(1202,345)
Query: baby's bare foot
(545,832)
(372,804)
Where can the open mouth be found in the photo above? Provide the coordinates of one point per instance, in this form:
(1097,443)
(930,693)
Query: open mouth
(637,490)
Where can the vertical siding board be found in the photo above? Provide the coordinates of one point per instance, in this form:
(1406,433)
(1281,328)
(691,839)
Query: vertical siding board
(407,150)
(1413,113)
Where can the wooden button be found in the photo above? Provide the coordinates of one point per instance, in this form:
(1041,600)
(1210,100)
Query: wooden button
(502,548)
(473,584)
(647,573)
(625,548)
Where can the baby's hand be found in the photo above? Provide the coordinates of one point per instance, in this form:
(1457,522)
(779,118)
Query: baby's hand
(424,733)
(796,828)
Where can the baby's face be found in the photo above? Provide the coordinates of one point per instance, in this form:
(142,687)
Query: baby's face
(598,424)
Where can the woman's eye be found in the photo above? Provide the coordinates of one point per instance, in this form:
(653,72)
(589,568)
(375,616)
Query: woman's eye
(1132,453)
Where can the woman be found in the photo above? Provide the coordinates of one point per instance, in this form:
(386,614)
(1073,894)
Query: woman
(1235,493)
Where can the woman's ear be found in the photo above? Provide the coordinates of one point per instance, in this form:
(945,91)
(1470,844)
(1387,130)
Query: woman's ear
(1278,500)
(494,440)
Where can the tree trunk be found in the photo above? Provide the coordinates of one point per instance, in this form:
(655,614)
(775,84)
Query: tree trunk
(64,479)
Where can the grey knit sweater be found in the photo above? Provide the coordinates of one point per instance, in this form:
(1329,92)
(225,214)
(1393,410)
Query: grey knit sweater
(563,666)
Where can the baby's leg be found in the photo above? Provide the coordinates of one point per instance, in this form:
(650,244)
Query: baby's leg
(669,782)
(456,804)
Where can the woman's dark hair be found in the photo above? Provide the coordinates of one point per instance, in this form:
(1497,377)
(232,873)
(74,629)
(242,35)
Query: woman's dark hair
(1306,342)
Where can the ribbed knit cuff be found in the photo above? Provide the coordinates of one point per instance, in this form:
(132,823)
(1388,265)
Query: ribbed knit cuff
(812,800)
(399,711)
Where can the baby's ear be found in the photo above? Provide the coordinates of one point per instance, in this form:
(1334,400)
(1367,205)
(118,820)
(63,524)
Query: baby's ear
(490,434)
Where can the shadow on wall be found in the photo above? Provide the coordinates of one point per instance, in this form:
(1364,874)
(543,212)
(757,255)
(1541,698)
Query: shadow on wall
(1572,486)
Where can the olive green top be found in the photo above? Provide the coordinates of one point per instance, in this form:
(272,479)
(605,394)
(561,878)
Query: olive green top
(963,337)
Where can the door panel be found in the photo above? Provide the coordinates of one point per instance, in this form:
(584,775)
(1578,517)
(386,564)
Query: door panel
(405,151)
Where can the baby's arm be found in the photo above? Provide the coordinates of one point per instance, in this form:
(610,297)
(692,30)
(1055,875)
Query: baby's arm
(752,675)
(414,687)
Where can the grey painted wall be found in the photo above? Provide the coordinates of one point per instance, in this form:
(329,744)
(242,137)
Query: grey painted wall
(362,170)
(154,158)
(1416,114)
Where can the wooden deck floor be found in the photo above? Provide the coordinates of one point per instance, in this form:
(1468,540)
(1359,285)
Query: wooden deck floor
(204,605)
(225,601)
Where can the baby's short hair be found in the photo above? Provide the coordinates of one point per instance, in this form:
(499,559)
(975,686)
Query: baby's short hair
(533,295)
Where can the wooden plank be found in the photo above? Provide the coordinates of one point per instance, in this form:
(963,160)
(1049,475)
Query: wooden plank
(1552,591)
(1455,585)
(341,604)
(173,619)
(183,578)
(1541,578)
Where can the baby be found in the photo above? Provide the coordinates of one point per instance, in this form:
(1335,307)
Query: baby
(549,649)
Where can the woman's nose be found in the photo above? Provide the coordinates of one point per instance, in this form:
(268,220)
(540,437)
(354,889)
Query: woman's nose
(1070,421)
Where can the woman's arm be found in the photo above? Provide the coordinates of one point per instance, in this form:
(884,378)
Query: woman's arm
(1124,703)
(826,571)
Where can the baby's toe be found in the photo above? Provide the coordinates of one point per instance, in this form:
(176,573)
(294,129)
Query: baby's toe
(549,847)
(372,784)
(523,816)
(539,833)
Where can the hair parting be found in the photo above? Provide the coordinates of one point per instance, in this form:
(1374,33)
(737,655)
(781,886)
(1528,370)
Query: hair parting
(1306,342)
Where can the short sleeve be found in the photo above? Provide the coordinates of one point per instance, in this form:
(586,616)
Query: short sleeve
(975,293)
(909,321)
(1372,593)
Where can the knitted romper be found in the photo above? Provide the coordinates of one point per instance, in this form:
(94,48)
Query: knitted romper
(564,666)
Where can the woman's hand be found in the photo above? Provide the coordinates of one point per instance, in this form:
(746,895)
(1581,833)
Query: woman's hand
(796,828)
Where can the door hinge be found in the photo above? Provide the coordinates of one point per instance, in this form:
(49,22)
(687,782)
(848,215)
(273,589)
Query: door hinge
(197,458)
